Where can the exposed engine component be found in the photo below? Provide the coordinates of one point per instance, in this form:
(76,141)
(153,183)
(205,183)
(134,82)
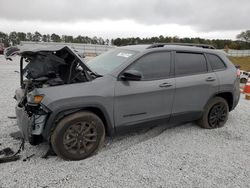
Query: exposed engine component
(51,68)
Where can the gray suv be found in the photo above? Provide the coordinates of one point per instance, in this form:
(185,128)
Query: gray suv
(73,103)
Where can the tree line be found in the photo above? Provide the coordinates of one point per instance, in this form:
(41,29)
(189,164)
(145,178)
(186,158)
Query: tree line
(14,38)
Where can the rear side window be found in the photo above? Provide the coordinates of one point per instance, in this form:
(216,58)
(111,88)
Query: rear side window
(153,66)
(189,63)
(215,62)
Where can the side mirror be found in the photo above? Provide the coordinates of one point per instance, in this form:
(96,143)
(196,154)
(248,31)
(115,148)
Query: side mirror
(132,75)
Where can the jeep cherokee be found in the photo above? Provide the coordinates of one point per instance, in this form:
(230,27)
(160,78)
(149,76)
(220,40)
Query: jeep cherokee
(73,104)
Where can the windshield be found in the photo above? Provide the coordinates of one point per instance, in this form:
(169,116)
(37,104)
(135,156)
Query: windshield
(110,60)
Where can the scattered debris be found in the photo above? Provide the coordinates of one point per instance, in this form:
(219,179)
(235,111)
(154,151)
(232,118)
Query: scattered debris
(16,135)
(12,117)
(9,155)
(50,152)
(28,158)
(9,158)
(6,152)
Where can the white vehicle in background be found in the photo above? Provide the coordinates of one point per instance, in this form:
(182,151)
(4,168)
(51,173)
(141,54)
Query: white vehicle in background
(244,76)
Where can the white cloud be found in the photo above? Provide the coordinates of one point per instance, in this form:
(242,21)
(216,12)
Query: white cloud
(111,29)
(111,18)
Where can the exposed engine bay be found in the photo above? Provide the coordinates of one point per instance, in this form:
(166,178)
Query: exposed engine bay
(52,68)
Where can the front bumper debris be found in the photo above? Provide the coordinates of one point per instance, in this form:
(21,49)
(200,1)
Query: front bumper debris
(30,126)
(24,122)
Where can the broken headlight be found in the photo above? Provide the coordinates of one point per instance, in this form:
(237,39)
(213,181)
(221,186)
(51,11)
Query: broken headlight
(34,99)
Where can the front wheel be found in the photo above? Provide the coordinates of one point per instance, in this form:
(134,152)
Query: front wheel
(78,136)
(215,114)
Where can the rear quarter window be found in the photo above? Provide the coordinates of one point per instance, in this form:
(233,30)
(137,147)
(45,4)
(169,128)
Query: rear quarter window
(189,63)
(215,62)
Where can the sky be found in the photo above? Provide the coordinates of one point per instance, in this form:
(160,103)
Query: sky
(212,19)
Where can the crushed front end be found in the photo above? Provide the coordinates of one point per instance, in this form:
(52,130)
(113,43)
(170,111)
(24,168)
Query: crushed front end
(31,117)
(44,69)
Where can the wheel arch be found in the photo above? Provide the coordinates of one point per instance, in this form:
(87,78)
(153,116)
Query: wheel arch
(56,116)
(228,96)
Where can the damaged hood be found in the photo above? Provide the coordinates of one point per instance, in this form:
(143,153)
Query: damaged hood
(12,51)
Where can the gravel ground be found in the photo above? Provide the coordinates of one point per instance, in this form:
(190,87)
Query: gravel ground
(183,156)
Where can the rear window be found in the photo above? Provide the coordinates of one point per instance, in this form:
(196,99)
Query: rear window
(189,63)
(215,62)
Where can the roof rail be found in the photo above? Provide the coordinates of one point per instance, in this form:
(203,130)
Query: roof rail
(158,45)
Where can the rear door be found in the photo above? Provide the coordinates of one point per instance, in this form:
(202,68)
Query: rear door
(195,84)
(149,99)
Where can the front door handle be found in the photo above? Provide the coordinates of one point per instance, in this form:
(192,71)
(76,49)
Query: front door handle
(210,79)
(165,85)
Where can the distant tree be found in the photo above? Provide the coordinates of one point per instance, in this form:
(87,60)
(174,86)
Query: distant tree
(94,40)
(21,36)
(186,40)
(37,37)
(13,38)
(87,40)
(107,42)
(112,42)
(101,41)
(4,38)
(67,39)
(78,39)
(244,36)
(55,38)
(29,36)
(44,38)
(137,40)
(161,39)
(48,38)
(176,39)
(117,42)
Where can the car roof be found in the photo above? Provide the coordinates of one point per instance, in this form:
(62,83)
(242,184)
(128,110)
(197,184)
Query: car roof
(169,46)
(140,48)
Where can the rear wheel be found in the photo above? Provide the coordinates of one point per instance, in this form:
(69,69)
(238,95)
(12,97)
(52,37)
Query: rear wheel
(215,114)
(78,136)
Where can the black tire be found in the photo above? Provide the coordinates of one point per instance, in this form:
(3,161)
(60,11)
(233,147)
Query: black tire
(78,136)
(215,114)
(243,80)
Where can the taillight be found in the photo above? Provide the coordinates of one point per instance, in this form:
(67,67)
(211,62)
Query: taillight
(238,73)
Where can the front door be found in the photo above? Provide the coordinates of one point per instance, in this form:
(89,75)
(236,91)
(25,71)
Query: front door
(149,99)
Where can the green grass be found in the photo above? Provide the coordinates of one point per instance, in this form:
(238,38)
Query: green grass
(244,62)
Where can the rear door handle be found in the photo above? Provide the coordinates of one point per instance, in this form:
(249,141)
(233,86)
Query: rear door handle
(210,79)
(165,85)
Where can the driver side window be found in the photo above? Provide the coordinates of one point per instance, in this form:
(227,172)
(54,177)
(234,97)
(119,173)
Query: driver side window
(153,66)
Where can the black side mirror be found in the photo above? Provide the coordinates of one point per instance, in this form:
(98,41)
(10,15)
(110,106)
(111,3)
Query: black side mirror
(132,75)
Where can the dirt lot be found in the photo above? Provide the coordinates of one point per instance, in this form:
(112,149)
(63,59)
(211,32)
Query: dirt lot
(183,156)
